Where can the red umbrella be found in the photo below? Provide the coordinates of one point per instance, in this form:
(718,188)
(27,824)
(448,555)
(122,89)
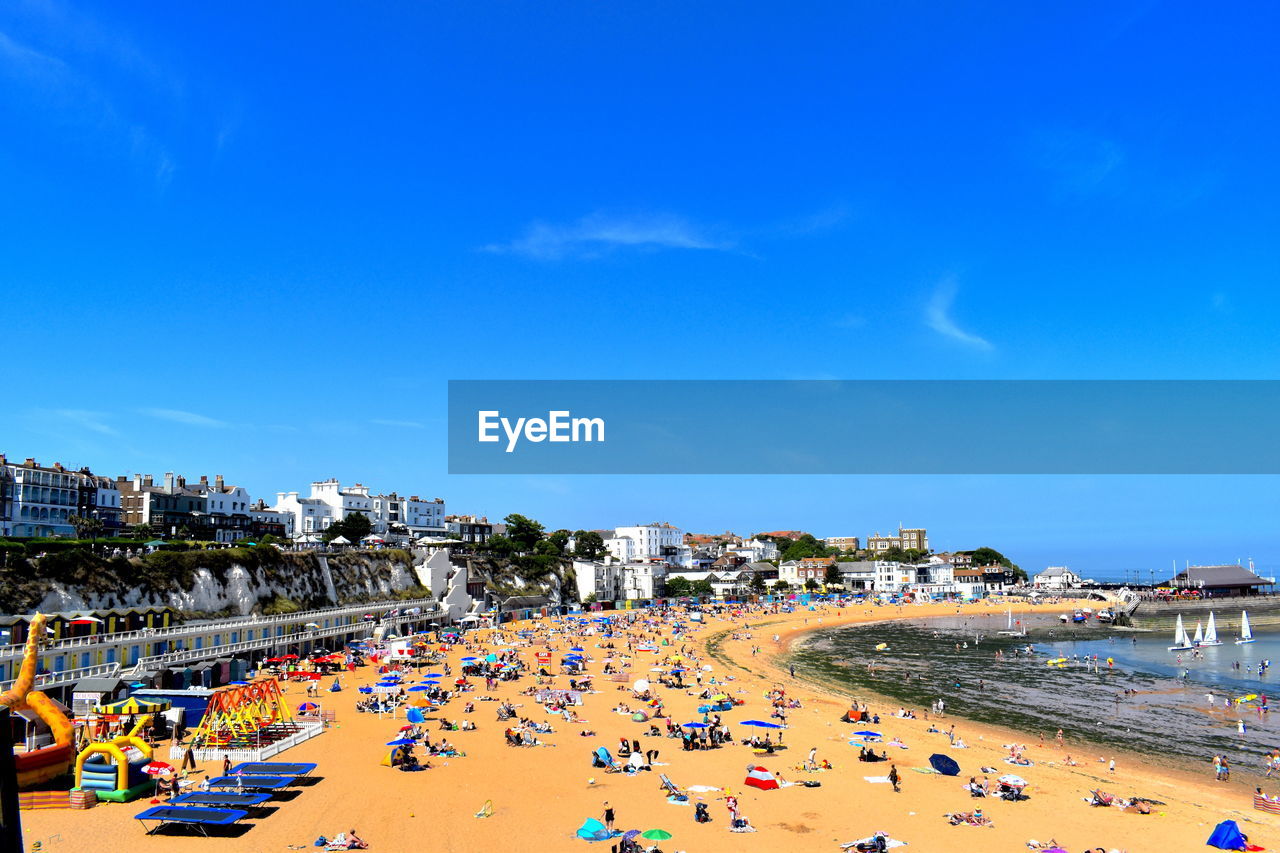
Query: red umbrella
(406,728)
(289,657)
(460,681)
(155,768)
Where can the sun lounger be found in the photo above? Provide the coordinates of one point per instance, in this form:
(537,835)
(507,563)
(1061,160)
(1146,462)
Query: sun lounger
(200,818)
(202,798)
(273,768)
(265,783)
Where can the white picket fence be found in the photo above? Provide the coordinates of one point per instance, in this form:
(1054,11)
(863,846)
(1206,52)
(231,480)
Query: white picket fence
(308,729)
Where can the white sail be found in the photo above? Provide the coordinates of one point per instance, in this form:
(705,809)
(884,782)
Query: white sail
(1246,633)
(1211,633)
(1180,639)
(1199,633)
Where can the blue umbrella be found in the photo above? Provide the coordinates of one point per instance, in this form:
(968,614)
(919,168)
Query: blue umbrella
(471,659)
(401,741)
(867,733)
(431,681)
(944,764)
(365,689)
(434,675)
(577,649)
(413,715)
(760,724)
(421,688)
(695,725)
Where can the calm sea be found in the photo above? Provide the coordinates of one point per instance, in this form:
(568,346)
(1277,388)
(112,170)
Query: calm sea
(1176,713)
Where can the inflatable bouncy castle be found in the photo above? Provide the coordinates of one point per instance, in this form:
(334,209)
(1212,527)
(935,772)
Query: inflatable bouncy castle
(114,770)
(40,765)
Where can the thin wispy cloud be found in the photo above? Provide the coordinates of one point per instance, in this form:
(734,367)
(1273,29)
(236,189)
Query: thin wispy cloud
(80,76)
(83,418)
(1080,163)
(400,424)
(178,416)
(599,234)
(938,317)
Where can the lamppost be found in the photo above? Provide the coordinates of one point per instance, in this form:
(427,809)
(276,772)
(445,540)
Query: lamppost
(93,529)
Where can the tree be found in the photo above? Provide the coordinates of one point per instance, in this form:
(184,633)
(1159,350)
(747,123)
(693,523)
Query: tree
(524,532)
(811,584)
(560,539)
(702,587)
(86,528)
(781,586)
(588,545)
(679,587)
(546,548)
(991,557)
(805,546)
(499,546)
(757,583)
(353,528)
(834,578)
(142,531)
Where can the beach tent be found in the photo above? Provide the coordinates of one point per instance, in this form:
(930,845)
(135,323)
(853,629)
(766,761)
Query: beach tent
(132,705)
(758,777)
(1227,836)
(944,764)
(593,830)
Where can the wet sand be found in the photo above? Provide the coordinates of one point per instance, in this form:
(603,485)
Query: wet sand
(542,794)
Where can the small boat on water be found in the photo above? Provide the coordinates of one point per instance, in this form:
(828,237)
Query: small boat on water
(1105,615)
(1210,634)
(1246,633)
(1079,616)
(1181,642)
(1011,632)
(1199,637)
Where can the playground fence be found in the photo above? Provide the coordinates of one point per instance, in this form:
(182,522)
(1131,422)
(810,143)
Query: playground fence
(307,729)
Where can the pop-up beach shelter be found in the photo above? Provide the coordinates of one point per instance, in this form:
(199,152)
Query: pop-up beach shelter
(758,777)
(1227,836)
(593,830)
(944,764)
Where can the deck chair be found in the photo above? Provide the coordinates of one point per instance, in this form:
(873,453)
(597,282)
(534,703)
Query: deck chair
(486,810)
(1101,798)
(671,788)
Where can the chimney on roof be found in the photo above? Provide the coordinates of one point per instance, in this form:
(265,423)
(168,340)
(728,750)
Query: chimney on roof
(182,482)
(204,481)
(147,481)
(168,481)
(57,466)
(217,482)
(3,460)
(30,463)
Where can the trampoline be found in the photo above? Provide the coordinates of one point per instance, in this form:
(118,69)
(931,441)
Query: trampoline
(200,818)
(265,783)
(212,799)
(272,768)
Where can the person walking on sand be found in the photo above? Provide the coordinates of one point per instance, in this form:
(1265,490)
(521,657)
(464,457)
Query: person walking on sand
(894,779)
(812,762)
(226,764)
(1059,737)
(608,816)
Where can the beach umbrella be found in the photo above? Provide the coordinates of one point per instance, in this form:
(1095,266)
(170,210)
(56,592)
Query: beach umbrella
(413,715)
(656,835)
(1014,781)
(308,706)
(431,681)
(470,659)
(630,834)
(155,768)
(574,649)
(866,733)
(641,685)
(944,764)
(460,681)
(490,658)
(421,688)
(760,724)
(695,725)
(401,741)
(420,703)
(434,675)
(406,728)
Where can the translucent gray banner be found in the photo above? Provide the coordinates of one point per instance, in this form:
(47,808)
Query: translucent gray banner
(863,427)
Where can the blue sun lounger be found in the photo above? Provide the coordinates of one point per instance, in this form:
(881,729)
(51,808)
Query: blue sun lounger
(273,768)
(209,798)
(259,783)
(201,819)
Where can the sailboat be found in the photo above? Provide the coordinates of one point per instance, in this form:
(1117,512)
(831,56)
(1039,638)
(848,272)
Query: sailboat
(1246,633)
(1210,634)
(1011,632)
(1199,637)
(1181,642)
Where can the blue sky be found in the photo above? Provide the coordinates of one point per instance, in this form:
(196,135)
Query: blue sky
(256,239)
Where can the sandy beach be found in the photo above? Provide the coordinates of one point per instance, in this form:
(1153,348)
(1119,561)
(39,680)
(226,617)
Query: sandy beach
(542,794)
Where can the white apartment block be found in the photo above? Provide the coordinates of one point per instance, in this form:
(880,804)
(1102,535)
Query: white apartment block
(603,580)
(755,550)
(410,516)
(658,541)
(643,580)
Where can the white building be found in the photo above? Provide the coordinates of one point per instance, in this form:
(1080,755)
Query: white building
(755,550)
(411,516)
(329,502)
(602,580)
(310,515)
(643,580)
(261,516)
(1057,577)
(658,541)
